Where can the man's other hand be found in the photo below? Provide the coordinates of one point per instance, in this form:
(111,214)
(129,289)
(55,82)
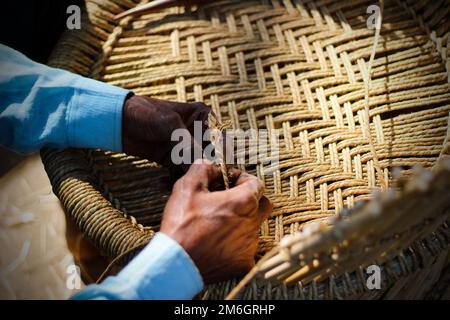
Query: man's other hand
(148,125)
(218,229)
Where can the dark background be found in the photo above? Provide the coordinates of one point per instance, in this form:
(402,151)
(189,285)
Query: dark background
(32,27)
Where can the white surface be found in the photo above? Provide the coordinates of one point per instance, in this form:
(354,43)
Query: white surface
(34,256)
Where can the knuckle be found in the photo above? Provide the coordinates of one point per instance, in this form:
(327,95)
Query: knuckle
(179,184)
(183,184)
(201,106)
(173,119)
(198,173)
(241,200)
(259,185)
(190,180)
(246,201)
(205,166)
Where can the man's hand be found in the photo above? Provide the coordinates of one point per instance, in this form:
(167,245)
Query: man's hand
(219,230)
(148,125)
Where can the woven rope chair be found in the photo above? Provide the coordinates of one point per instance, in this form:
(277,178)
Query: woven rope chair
(297,66)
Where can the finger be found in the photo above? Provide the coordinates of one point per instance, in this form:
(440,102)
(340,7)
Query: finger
(233,175)
(189,112)
(250,184)
(191,148)
(197,149)
(244,178)
(201,174)
(195,118)
(246,194)
(265,208)
(195,112)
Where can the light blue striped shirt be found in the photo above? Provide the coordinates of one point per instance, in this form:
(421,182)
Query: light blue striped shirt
(42,106)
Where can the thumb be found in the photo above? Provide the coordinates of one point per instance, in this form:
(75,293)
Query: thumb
(265,208)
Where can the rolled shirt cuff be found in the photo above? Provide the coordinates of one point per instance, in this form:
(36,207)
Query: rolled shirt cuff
(94,118)
(162,271)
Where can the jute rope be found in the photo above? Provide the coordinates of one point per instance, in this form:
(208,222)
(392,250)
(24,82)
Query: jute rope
(218,142)
(367,85)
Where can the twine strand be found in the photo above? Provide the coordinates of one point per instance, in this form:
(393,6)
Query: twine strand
(217,130)
(367,87)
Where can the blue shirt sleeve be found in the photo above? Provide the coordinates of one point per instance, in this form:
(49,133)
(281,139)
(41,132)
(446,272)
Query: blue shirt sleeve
(42,106)
(162,271)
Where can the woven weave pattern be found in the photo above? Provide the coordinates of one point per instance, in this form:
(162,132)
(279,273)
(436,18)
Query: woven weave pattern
(268,65)
(296,66)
